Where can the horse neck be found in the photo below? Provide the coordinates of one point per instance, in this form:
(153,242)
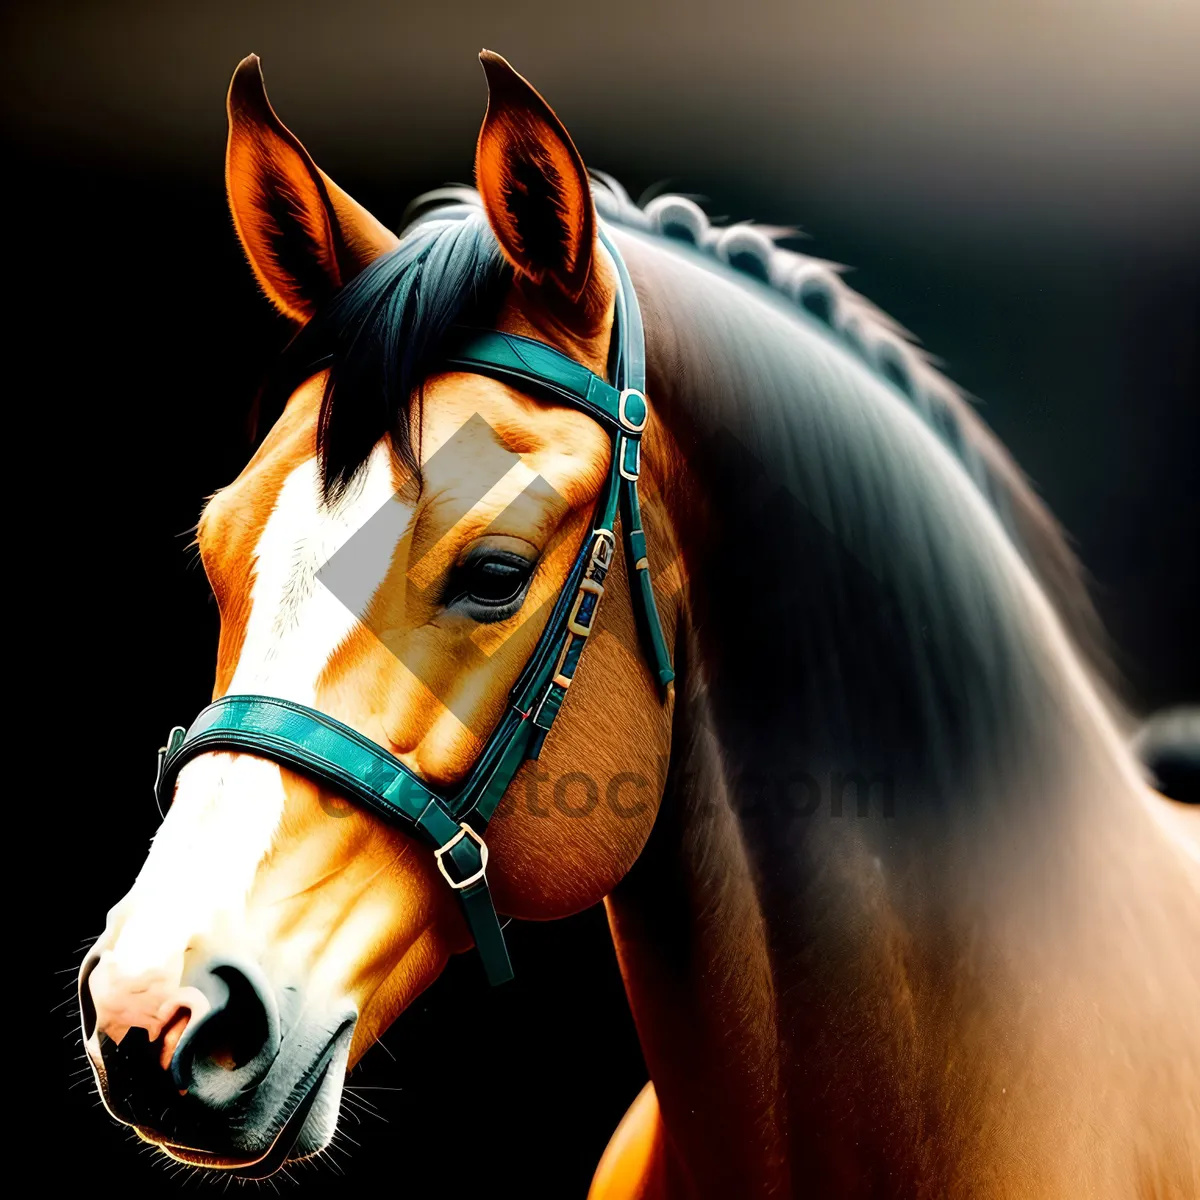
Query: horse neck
(809,971)
(800,982)
(692,943)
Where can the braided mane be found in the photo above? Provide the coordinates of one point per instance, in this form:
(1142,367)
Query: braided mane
(816,288)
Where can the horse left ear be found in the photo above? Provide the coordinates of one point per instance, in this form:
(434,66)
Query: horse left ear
(533,184)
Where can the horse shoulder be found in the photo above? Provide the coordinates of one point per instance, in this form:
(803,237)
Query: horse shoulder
(637,1163)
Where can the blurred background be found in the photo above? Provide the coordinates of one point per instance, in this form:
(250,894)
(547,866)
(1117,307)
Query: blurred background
(1016,181)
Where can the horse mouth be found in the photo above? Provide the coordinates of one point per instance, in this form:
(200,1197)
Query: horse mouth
(300,1103)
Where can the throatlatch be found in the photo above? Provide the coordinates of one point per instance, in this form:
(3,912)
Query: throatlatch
(454,823)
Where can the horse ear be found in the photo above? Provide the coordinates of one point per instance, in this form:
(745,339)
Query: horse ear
(533,183)
(303,235)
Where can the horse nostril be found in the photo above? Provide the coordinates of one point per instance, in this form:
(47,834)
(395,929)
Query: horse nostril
(231,1047)
(235,1035)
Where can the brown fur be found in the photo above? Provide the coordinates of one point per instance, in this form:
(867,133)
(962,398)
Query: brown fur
(998,1007)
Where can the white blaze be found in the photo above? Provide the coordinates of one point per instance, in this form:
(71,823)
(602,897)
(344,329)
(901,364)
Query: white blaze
(226,809)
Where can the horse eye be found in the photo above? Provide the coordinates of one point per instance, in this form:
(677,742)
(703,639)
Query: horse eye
(490,585)
(496,580)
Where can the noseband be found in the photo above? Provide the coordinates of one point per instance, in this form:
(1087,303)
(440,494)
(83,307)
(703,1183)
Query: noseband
(454,822)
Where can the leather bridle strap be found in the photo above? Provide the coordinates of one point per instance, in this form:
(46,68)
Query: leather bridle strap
(320,746)
(454,822)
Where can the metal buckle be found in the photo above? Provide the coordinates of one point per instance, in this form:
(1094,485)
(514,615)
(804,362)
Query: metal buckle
(174,738)
(604,549)
(464,831)
(174,741)
(625,422)
(585,585)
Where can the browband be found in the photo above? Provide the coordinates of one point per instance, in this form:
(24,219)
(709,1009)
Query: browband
(454,822)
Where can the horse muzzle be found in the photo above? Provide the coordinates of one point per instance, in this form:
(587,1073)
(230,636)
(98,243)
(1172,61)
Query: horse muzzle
(253,1080)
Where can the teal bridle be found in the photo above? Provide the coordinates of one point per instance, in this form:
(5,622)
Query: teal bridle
(454,822)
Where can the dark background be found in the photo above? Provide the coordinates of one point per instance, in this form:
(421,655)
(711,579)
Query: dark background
(1018,183)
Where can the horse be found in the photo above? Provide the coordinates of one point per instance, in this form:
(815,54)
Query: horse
(896,909)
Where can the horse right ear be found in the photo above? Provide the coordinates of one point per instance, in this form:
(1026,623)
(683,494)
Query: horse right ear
(305,238)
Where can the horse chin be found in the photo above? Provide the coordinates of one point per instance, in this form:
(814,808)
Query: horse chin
(311,1109)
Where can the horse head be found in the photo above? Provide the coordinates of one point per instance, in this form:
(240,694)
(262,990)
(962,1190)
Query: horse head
(393,569)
